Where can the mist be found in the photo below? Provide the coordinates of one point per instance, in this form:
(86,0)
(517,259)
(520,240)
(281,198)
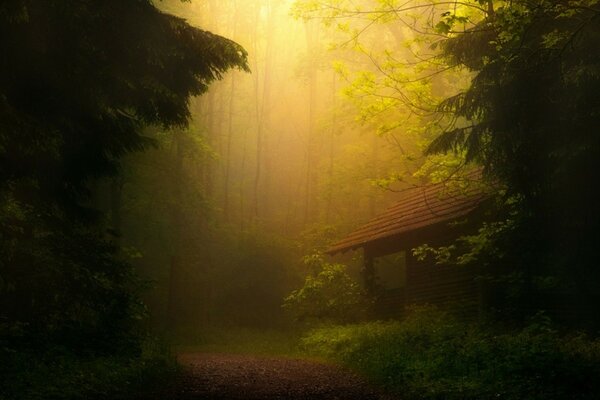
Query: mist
(275,165)
(358,199)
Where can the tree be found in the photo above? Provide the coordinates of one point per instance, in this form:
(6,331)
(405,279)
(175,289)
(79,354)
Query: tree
(82,79)
(78,82)
(531,117)
(387,58)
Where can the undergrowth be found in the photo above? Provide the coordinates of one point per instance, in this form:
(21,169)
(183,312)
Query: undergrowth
(430,355)
(59,374)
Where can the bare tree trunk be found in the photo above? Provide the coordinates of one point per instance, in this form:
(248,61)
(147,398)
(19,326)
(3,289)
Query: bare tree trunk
(211,128)
(331,152)
(228,149)
(267,105)
(258,112)
(243,181)
(262,104)
(375,162)
(230,128)
(116,197)
(311,41)
(175,272)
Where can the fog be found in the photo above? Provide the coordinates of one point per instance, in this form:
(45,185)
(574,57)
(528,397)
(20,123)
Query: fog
(402,188)
(278,163)
(290,150)
(325,131)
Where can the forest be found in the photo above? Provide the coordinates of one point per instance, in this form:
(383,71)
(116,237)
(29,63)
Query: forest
(299,199)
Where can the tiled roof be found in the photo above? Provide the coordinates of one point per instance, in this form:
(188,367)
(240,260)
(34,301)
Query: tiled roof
(417,208)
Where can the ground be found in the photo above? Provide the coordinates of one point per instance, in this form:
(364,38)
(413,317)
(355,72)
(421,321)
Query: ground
(233,377)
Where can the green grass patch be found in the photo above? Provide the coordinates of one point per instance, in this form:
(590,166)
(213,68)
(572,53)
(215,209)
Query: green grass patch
(279,343)
(432,356)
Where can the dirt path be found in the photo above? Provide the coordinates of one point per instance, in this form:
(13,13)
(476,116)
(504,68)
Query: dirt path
(233,377)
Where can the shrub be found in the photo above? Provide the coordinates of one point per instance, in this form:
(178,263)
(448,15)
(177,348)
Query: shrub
(329,294)
(430,355)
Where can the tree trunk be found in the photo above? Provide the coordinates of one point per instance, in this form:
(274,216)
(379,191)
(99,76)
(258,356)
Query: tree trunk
(311,42)
(262,102)
(116,196)
(230,127)
(333,132)
(175,273)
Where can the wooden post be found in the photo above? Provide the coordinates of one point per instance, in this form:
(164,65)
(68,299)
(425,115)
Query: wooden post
(368,272)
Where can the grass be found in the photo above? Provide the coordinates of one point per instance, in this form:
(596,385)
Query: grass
(431,356)
(275,343)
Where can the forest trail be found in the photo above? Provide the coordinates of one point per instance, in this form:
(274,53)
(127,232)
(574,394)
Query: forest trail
(233,377)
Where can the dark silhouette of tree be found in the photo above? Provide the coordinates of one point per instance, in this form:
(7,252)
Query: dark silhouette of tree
(533,112)
(79,80)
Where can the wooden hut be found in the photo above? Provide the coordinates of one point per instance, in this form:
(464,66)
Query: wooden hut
(433,215)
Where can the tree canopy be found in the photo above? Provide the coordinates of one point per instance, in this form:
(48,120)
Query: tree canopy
(82,78)
(531,117)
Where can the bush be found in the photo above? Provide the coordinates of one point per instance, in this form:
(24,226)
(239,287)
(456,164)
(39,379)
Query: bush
(329,294)
(432,356)
(63,283)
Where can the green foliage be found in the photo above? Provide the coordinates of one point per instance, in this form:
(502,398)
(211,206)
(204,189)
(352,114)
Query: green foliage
(62,282)
(72,102)
(61,375)
(520,52)
(389,76)
(329,294)
(530,117)
(469,249)
(432,356)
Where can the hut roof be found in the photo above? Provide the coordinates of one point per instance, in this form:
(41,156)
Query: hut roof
(418,208)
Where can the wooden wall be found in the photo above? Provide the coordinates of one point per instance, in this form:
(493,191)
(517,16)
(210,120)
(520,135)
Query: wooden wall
(445,286)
